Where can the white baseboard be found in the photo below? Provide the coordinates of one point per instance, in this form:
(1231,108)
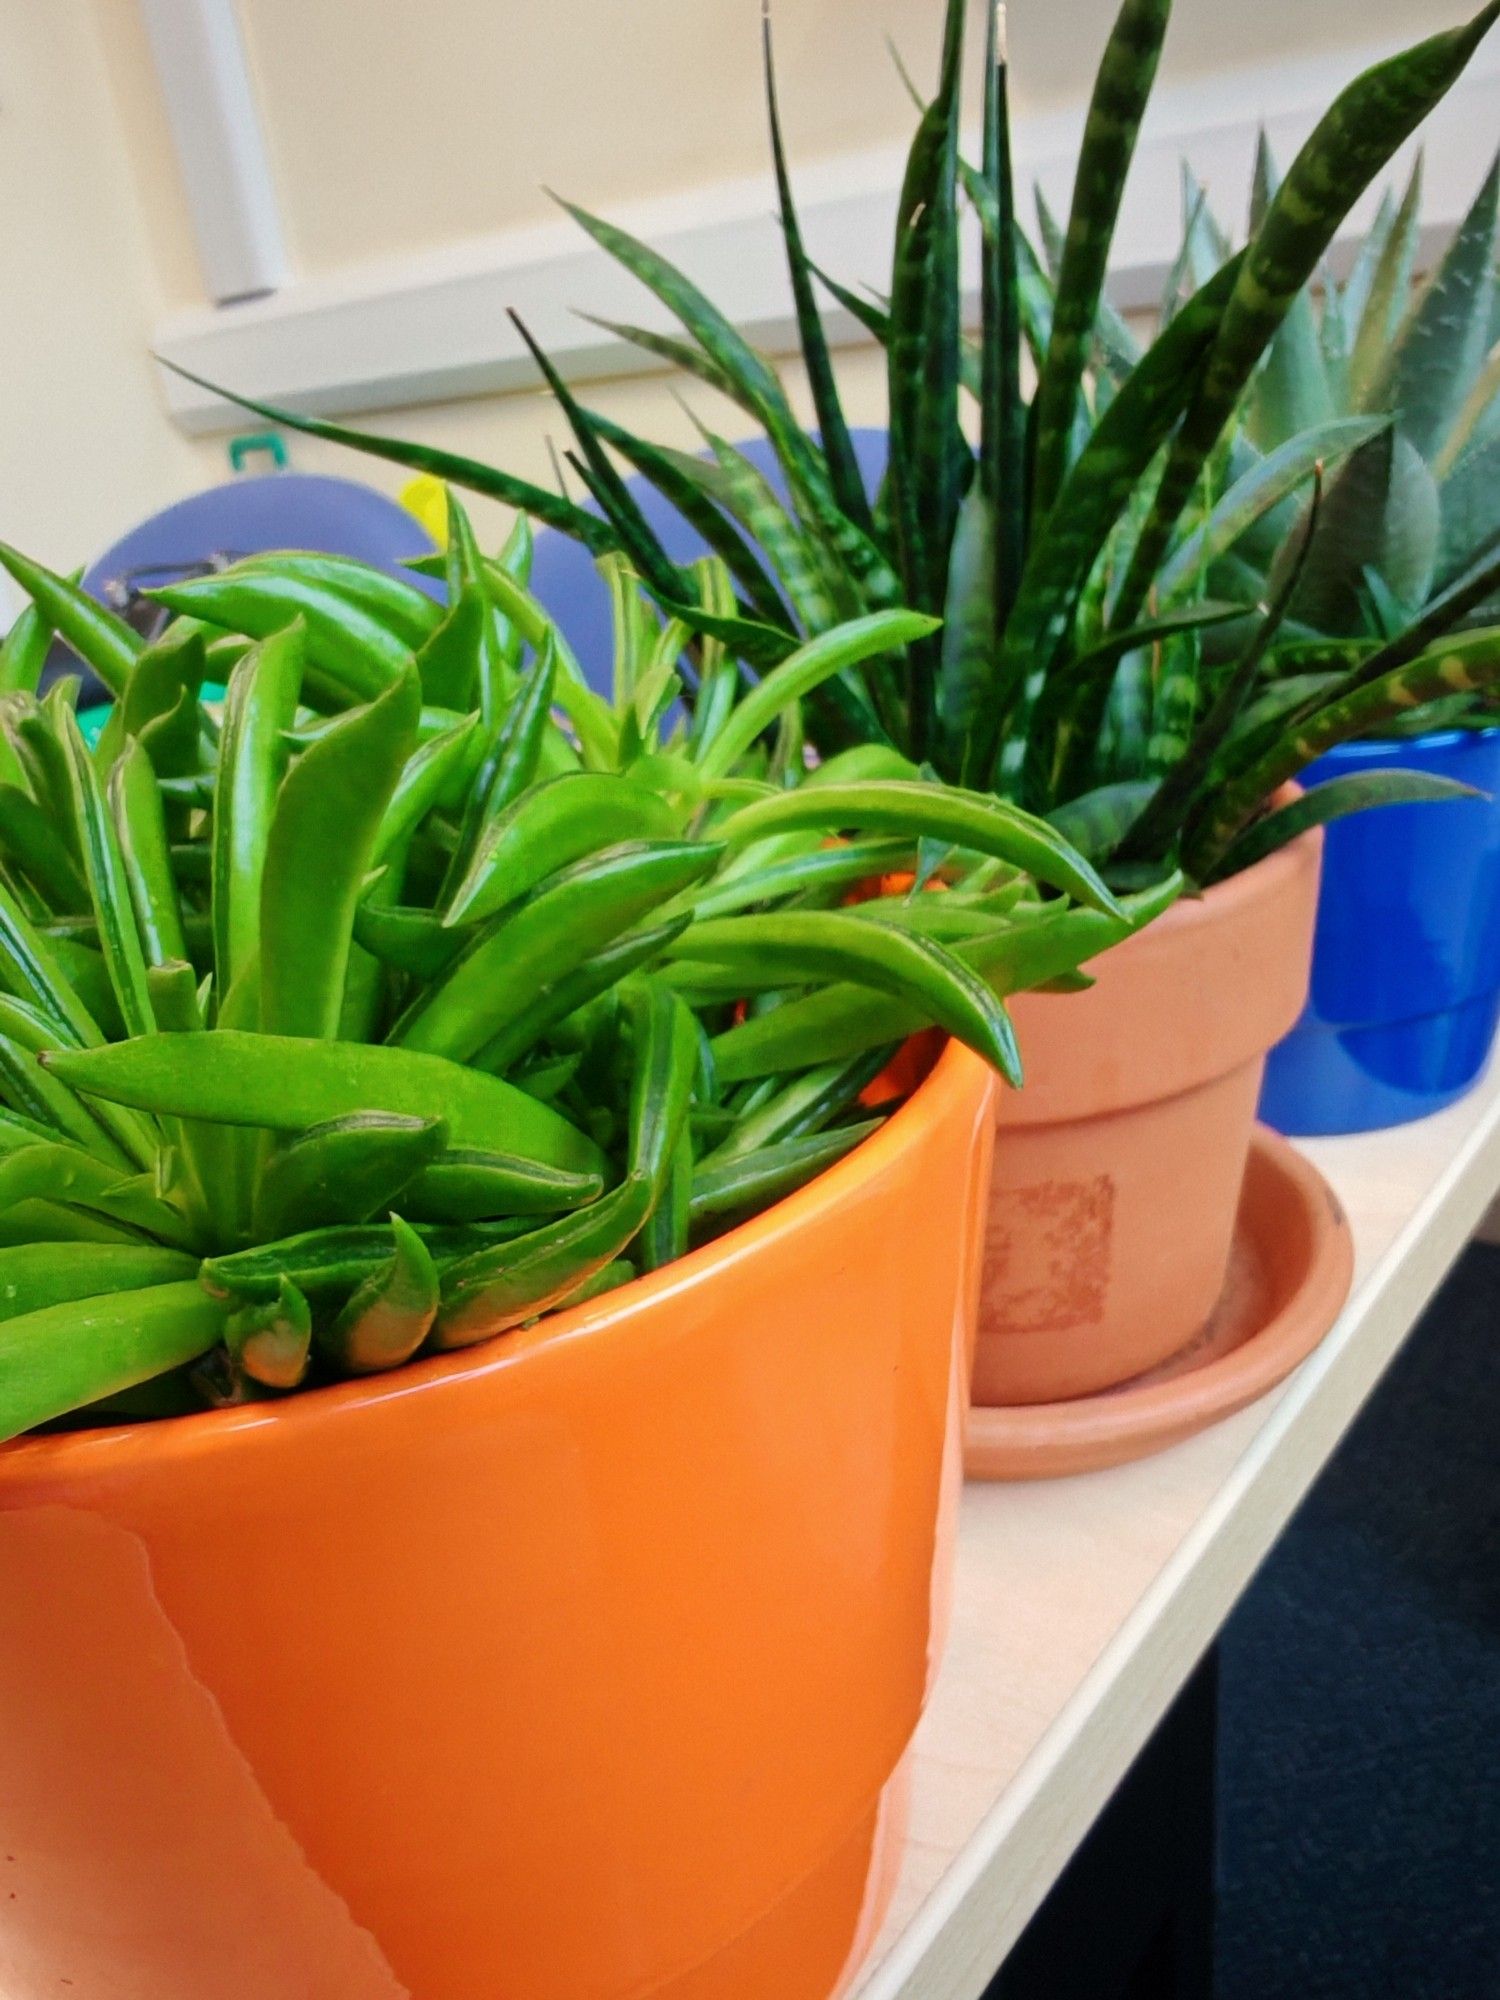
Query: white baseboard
(432,327)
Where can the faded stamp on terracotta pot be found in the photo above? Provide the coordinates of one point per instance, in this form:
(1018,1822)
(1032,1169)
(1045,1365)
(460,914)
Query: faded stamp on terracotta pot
(1052,1271)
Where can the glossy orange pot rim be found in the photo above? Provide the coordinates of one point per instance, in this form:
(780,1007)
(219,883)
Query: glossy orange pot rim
(36,1460)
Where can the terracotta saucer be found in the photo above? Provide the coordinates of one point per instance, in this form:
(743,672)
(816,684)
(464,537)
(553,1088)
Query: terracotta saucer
(1289,1274)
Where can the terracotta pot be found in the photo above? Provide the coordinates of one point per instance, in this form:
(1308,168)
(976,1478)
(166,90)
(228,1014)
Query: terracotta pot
(581,1666)
(1118,1166)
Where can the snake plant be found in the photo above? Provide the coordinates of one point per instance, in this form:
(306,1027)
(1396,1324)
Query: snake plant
(1060,678)
(415,989)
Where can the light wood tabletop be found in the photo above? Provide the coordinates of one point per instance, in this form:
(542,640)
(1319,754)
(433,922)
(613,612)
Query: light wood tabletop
(1082,1605)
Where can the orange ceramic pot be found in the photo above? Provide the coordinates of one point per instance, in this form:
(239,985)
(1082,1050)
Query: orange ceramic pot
(1118,1167)
(580,1666)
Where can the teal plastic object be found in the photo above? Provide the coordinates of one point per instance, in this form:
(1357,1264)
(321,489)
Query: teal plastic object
(1405,995)
(91,721)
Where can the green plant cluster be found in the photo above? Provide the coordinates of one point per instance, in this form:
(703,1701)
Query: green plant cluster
(1407,547)
(416,989)
(1067,552)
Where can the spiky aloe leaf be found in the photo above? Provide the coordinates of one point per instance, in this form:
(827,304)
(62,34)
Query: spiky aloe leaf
(453,467)
(1478,422)
(1442,614)
(1352,142)
(1443,339)
(1121,90)
(1471,509)
(1388,289)
(1468,666)
(1128,437)
(1381,516)
(923,363)
(1357,286)
(1336,800)
(838,449)
(1268,483)
(1291,392)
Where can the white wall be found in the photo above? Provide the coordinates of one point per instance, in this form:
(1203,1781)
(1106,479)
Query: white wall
(399,131)
(83,443)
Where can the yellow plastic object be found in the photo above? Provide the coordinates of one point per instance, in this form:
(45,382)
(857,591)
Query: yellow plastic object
(427,499)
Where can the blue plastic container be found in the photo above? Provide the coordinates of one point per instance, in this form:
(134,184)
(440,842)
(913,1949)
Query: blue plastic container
(1406,961)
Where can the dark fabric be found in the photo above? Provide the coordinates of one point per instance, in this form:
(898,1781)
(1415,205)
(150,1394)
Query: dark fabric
(1360,1730)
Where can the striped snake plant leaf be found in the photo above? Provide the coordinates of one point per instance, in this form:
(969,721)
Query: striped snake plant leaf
(677,353)
(971,622)
(1351,143)
(1128,437)
(1443,340)
(923,363)
(838,450)
(1442,614)
(1116,348)
(1291,392)
(753,381)
(1335,800)
(454,467)
(633,532)
(668,471)
(742,489)
(871,314)
(1121,89)
(1071,709)
(1465,666)
(1185,775)
(1001,474)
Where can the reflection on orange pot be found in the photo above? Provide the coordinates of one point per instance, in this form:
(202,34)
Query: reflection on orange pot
(1118,1166)
(577,1667)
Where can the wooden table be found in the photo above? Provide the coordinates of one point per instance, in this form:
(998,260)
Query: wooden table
(1082,1605)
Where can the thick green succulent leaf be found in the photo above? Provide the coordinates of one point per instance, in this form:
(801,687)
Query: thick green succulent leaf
(1380,514)
(1291,393)
(1335,800)
(1471,509)
(1445,336)
(100,639)
(1121,90)
(1351,143)
(813,946)
(1388,288)
(1266,485)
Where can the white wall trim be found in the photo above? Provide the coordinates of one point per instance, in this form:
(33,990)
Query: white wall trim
(433,327)
(200,60)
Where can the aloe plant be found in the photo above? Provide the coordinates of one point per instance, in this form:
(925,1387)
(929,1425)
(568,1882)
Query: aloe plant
(415,989)
(1061,678)
(1407,549)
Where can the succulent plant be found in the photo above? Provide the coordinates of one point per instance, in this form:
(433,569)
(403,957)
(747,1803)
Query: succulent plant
(416,989)
(1407,547)
(1060,678)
